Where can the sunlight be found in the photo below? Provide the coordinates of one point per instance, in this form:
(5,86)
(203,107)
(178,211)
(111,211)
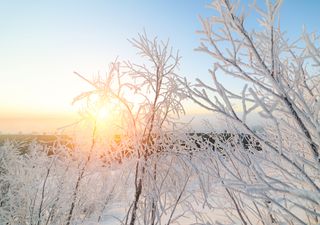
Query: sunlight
(106,117)
(103,114)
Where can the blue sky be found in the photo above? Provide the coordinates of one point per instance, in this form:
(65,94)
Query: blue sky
(43,42)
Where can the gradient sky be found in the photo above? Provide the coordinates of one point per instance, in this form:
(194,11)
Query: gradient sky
(43,42)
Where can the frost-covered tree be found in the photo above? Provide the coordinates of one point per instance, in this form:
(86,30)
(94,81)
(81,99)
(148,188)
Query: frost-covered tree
(38,186)
(281,183)
(147,99)
(124,166)
(158,83)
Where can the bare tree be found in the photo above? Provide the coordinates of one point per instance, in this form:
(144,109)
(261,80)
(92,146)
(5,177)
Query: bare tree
(281,86)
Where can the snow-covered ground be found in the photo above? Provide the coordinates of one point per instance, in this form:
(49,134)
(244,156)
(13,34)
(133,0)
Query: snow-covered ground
(187,189)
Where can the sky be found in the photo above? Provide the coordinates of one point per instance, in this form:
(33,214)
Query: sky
(43,42)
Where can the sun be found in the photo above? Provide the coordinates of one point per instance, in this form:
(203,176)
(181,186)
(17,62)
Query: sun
(103,115)
(106,115)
